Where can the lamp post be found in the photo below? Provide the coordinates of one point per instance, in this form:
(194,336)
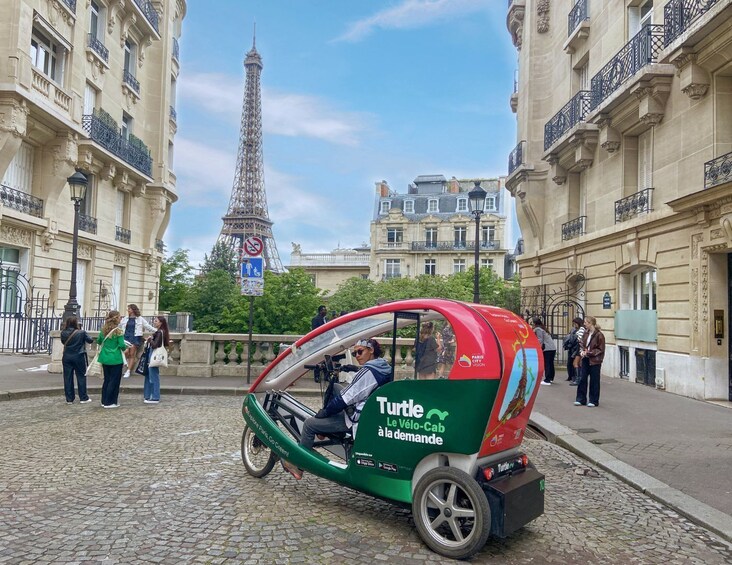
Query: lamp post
(477,204)
(77,184)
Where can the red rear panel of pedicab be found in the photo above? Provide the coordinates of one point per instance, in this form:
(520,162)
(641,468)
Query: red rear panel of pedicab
(523,365)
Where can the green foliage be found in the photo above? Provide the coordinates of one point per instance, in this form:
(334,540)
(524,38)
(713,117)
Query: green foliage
(210,297)
(289,303)
(175,281)
(222,258)
(354,294)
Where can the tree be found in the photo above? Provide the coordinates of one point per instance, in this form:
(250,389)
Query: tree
(210,296)
(222,258)
(354,294)
(175,281)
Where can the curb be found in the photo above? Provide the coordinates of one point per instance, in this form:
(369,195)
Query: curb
(696,511)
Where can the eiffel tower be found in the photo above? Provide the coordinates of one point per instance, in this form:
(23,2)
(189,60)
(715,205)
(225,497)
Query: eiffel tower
(247,213)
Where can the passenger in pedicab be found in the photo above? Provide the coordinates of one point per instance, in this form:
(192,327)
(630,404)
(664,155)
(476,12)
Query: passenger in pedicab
(344,403)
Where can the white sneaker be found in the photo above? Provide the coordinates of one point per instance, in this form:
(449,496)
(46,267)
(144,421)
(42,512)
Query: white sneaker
(151,401)
(545,383)
(591,405)
(578,403)
(110,405)
(126,375)
(85,401)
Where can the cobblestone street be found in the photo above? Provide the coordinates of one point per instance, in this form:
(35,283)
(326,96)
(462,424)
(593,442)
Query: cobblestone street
(165,484)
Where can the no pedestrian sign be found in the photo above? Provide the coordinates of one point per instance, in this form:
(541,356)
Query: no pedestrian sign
(253,246)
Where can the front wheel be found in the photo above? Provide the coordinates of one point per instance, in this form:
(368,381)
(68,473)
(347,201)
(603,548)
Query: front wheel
(256,456)
(451,513)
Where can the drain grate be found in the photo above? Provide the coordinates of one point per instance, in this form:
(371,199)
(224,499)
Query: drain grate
(601,441)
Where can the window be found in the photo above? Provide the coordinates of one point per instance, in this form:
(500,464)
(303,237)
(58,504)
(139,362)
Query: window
(10,299)
(638,16)
(644,289)
(645,177)
(490,204)
(394,236)
(85,206)
(90,99)
(584,77)
(385,206)
(488,233)
(461,234)
(129,64)
(458,265)
(462,205)
(409,206)
(432,205)
(117,278)
(96,21)
(430,236)
(486,264)
(48,56)
(81,270)
(119,213)
(127,122)
(392,268)
(430,267)
(19,174)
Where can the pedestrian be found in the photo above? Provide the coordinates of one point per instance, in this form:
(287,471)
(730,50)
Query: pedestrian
(74,359)
(548,347)
(425,348)
(446,355)
(571,344)
(319,318)
(111,345)
(592,355)
(133,326)
(161,338)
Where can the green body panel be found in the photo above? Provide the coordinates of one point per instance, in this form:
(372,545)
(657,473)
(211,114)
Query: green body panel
(401,423)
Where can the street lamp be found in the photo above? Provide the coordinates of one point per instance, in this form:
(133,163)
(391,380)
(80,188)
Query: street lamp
(477,204)
(77,184)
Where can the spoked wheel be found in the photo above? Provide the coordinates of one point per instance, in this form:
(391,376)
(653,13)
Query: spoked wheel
(451,513)
(256,456)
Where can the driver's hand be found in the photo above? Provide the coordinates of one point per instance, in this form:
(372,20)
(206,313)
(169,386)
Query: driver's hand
(320,413)
(349,368)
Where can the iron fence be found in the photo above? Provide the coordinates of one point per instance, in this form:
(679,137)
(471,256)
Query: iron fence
(569,116)
(87,223)
(573,228)
(122,234)
(516,157)
(20,201)
(678,15)
(718,171)
(108,136)
(577,15)
(98,47)
(631,206)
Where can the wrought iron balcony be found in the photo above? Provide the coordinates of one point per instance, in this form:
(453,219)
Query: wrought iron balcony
(718,171)
(633,205)
(577,15)
(641,50)
(159,245)
(173,114)
(122,234)
(131,81)
(453,245)
(71,4)
(569,116)
(151,15)
(176,50)
(516,157)
(573,228)
(20,201)
(678,15)
(98,47)
(87,223)
(104,132)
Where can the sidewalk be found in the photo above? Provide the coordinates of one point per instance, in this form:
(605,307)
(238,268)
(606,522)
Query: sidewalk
(674,449)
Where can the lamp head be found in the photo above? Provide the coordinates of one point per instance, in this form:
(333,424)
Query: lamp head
(477,198)
(77,185)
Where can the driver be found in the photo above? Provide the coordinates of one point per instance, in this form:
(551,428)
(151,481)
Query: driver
(342,412)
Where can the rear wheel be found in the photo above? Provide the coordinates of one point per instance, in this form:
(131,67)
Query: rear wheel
(256,456)
(451,513)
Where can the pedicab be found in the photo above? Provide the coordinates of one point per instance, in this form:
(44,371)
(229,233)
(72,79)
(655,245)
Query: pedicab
(449,448)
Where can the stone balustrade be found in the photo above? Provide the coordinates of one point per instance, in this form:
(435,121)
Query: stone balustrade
(225,355)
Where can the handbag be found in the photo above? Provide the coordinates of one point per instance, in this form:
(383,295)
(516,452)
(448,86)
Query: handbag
(143,364)
(159,357)
(94,369)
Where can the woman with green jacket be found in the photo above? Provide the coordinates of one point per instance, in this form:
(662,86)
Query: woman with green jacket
(112,344)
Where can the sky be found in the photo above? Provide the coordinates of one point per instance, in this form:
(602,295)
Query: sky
(353,92)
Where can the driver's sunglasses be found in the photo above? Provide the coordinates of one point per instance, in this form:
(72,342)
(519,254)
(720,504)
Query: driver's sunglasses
(359,352)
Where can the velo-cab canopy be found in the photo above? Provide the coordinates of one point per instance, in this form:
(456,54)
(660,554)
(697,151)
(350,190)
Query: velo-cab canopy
(491,363)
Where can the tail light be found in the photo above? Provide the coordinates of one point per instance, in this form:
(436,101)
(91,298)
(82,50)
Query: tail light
(488,473)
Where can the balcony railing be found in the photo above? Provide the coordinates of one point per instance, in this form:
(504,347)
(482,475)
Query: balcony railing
(633,205)
(516,157)
(159,245)
(176,50)
(573,228)
(122,234)
(71,4)
(98,47)
(577,15)
(173,114)
(718,171)
(678,15)
(636,54)
(453,245)
(131,81)
(20,201)
(106,134)
(87,223)
(569,116)
(147,9)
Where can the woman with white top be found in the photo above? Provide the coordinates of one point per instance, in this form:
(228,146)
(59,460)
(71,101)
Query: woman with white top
(134,326)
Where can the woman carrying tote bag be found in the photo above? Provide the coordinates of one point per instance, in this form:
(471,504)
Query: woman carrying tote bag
(112,342)
(161,338)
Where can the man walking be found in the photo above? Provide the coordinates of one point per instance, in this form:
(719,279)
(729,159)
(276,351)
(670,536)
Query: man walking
(320,318)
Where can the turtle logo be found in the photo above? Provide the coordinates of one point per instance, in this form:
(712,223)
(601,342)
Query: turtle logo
(439,413)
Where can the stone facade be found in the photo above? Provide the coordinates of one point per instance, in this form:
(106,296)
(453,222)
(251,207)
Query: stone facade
(430,229)
(90,86)
(622,180)
(330,270)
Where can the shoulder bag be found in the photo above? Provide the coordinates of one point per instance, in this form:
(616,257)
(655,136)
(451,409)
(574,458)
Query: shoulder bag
(159,357)
(94,369)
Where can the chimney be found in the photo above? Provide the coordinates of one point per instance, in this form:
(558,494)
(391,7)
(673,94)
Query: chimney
(382,189)
(453,185)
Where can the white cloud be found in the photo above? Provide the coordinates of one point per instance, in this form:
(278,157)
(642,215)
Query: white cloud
(412,14)
(287,114)
(202,169)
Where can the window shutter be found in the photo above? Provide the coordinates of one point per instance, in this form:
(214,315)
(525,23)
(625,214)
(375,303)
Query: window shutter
(645,179)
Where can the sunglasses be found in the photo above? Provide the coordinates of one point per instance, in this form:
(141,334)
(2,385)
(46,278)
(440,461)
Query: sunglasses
(359,352)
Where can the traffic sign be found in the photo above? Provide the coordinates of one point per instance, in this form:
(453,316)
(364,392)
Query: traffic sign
(253,246)
(252,268)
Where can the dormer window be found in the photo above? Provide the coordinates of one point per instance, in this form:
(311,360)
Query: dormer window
(490,204)
(385,206)
(409,206)
(462,205)
(432,205)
